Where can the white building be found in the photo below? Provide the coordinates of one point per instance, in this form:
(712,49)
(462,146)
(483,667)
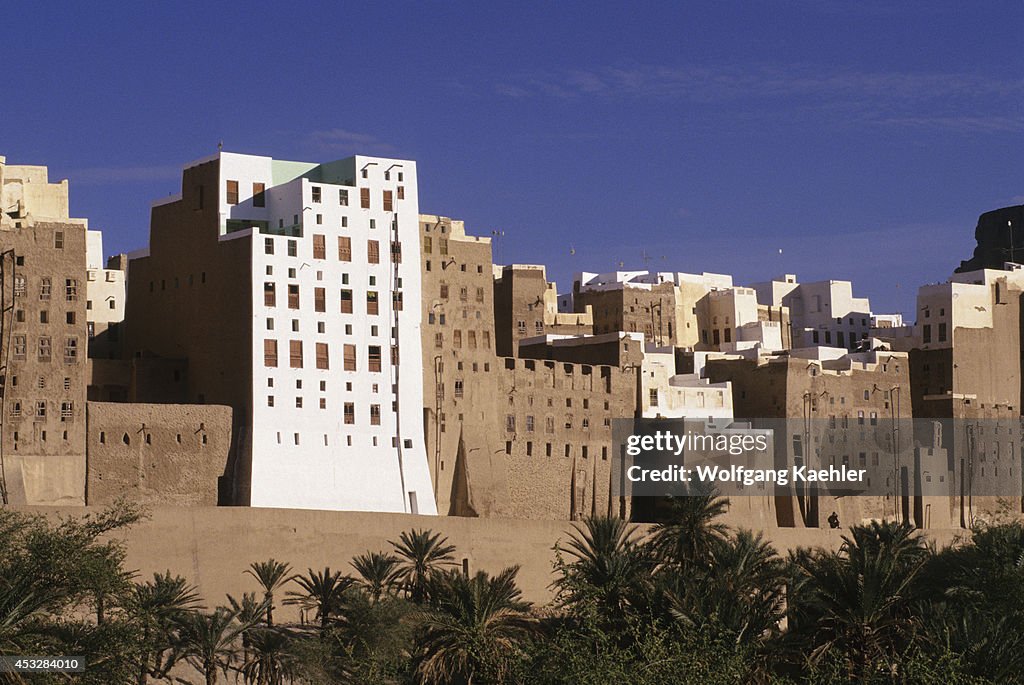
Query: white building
(105,299)
(822,313)
(668,395)
(329,257)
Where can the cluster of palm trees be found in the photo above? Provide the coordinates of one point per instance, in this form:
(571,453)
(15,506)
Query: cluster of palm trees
(686,601)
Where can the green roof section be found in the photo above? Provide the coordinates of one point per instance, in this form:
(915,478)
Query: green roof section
(282,171)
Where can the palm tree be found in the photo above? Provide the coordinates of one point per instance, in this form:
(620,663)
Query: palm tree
(323,592)
(378,572)
(690,535)
(270,660)
(249,612)
(158,606)
(423,553)
(473,628)
(610,566)
(859,603)
(208,640)
(272,575)
(742,591)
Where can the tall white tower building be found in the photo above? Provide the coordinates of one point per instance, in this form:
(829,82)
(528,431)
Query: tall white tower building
(293,289)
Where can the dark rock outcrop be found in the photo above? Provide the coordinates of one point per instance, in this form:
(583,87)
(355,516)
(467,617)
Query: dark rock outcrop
(1000,239)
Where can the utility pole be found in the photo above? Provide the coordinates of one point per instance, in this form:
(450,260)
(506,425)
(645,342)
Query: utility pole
(6,324)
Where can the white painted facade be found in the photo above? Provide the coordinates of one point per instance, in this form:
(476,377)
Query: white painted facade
(105,288)
(666,394)
(305,452)
(821,313)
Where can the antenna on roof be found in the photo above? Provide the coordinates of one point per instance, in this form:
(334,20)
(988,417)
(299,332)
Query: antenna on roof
(220,146)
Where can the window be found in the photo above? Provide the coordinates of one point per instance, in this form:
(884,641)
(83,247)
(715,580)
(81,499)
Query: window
(926,333)
(20,344)
(41,409)
(374,414)
(19,286)
(942,332)
(320,299)
(293,296)
(45,287)
(350,357)
(44,316)
(270,353)
(388,201)
(346,301)
(319,247)
(321,356)
(295,353)
(268,246)
(232,193)
(58,240)
(364,197)
(510,423)
(316,193)
(371,302)
(292,247)
(479,294)
(457,338)
(459,387)
(70,350)
(44,349)
(259,197)
(444,291)
(269,295)
(438,340)
(400,192)
(71,289)
(654,397)
(373,251)
(343,197)
(396,252)
(374,358)
(67,410)
(394,355)
(350,413)
(344,248)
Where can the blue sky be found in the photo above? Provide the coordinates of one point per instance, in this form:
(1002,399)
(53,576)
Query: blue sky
(862,139)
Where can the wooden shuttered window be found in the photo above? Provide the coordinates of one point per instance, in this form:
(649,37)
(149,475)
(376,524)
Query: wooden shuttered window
(396,252)
(319,247)
(322,356)
(259,197)
(389,201)
(295,353)
(373,251)
(293,296)
(320,299)
(364,198)
(344,248)
(346,301)
(232,193)
(269,295)
(270,353)
(374,358)
(372,302)
(350,357)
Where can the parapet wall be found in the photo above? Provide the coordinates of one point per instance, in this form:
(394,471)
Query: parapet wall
(212,546)
(156,454)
